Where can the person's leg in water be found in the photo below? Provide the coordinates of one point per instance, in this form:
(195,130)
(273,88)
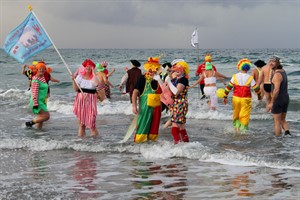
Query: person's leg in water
(40,118)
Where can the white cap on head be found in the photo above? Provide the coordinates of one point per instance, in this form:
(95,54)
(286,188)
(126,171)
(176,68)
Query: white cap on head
(174,62)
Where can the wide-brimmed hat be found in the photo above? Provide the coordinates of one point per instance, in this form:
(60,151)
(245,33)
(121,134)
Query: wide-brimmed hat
(260,63)
(135,63)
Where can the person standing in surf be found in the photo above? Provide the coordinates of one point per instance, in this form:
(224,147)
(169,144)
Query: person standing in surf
(108,85)
(256,72)
(85,105)
(241,100)
(179,108)
(280,98)
(210,79)
(201,69)
(147,91)
(265,79)
(38,98)
(130,78)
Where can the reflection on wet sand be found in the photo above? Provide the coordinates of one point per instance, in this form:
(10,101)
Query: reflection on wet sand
(159,181)
(84,172)
(242,183)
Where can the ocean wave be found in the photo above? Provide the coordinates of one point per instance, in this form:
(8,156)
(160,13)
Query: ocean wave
(152,151)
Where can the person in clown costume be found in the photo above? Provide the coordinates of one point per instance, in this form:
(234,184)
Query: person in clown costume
(148,115)
(241,100)
(179,88)
(179,108)
(38,98)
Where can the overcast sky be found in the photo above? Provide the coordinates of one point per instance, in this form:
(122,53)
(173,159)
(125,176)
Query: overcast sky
(160,23)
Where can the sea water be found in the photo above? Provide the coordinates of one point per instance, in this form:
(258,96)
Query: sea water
(54,163)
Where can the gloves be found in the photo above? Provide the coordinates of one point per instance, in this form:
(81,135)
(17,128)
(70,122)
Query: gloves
(157,77)
(173,89)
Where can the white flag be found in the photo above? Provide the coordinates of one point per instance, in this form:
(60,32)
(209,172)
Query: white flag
(194,39)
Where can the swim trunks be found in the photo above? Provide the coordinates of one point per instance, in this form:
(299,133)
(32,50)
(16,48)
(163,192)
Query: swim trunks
(267,87)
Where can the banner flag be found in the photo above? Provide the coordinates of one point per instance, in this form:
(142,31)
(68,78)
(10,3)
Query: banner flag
(26,40)
(194,39)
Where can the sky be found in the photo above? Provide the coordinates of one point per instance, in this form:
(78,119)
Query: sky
(151,24)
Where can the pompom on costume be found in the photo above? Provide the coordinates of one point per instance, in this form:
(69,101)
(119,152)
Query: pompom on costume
(241,100)
(148,116)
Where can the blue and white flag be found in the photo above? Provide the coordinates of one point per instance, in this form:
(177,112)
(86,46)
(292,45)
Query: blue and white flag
(194,39)
(26,40)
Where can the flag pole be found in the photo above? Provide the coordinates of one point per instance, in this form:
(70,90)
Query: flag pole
(66,65)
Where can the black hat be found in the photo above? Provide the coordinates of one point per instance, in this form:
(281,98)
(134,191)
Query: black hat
(135,63)
(167,65)
(260,63)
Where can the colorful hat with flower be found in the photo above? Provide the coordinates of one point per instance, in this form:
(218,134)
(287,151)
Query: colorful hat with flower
(244,64)
(152,63)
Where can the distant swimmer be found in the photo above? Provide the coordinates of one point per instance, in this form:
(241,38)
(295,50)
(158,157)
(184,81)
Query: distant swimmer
(280,97)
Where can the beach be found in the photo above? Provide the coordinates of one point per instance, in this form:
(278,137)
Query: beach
(54,163)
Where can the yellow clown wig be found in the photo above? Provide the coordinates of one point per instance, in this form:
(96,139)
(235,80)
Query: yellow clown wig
(153,64)
(244,64)
(180,65)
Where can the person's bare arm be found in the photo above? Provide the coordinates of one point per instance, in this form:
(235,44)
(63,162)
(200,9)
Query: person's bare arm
(197,82)
(134,101)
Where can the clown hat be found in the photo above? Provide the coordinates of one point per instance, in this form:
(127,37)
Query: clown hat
(99,67)
(207,58)
(208,66)
(152,63)
(244,64)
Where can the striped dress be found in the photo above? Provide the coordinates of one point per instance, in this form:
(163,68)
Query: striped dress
(39,94)
(85,105)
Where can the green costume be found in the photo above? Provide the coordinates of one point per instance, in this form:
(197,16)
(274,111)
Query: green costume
(41,94)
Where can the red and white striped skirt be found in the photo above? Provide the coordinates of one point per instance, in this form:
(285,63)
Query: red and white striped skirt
(85,109)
